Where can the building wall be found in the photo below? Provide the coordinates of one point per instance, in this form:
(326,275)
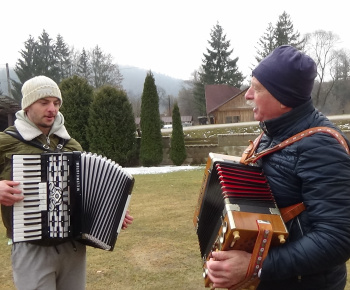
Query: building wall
(233,144)
(235,110)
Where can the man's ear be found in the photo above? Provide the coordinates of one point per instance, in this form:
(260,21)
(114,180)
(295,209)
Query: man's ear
(285,108)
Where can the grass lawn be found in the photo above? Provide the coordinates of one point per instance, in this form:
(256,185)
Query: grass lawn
(160,249)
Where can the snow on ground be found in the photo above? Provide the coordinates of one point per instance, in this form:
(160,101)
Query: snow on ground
(158,169)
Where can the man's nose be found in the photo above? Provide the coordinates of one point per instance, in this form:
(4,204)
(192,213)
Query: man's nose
(249,95)
(51,107)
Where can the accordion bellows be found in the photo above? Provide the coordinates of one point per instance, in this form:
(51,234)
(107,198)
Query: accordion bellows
(76,195)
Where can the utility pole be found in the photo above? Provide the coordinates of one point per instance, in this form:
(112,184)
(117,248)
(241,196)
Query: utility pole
(8,80)
(169,105)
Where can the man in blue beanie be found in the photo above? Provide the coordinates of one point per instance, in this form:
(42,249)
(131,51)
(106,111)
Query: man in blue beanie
(314,171)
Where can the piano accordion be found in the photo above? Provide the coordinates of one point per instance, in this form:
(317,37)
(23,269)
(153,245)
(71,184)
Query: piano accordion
(76,195)
(237,211)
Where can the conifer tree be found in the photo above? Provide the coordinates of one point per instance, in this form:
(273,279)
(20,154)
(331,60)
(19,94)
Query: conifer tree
(266,43)
(281,34)
(285,34)
(25,67)
(112,125)
(151,150)
(63,58)
(218,67)
(77,96)
(47,63)
(84,66)
(39,58)
(177,148)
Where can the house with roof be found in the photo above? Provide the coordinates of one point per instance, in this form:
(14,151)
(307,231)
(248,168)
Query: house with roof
(226,104)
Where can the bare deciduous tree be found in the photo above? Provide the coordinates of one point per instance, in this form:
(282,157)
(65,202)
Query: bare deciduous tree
(320,45)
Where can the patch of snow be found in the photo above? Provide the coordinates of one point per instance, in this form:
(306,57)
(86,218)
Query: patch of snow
(158,169)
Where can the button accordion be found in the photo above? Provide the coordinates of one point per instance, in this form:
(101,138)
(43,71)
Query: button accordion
(237,211)
(76,195)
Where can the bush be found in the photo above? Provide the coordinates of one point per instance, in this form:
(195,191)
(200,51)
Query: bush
(177,149)
(112,129)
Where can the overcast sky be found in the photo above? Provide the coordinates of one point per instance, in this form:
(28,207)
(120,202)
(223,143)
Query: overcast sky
(164,36)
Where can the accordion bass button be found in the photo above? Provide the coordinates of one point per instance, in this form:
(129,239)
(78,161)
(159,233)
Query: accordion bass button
(282,239)
(205,272)
(222,238)
(224,227)
(236,235)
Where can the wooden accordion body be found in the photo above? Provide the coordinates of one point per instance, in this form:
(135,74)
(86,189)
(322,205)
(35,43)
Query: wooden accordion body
(236,211)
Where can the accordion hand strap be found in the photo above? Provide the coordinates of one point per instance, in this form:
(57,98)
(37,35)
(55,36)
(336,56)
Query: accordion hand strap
(260,251)
(252,157)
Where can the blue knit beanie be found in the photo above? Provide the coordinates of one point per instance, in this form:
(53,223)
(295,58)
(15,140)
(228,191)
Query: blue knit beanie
(288,74)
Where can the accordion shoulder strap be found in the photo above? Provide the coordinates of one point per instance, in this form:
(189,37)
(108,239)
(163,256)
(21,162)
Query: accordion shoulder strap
(250,150)
(292,211)
(255,157)
(34,142)
(249,156)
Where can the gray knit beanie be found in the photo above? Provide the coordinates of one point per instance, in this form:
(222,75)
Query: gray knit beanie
(37,88)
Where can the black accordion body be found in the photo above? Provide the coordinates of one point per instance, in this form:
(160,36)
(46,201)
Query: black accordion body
(76,195)
(237,211)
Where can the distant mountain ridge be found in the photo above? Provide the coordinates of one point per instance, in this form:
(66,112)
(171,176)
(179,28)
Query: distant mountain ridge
(133,81)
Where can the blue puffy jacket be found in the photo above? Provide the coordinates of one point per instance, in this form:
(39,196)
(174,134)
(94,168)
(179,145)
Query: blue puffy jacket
(316,171)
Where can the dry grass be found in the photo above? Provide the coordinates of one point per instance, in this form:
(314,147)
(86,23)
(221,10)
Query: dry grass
(160,249)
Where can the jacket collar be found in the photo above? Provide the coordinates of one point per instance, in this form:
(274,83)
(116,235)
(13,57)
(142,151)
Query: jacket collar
(288,120)
(30,131)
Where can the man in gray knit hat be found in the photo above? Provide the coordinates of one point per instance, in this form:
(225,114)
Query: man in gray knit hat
(313,173)
(51,263)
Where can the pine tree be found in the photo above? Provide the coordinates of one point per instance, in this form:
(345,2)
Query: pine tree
(151,151)
(39,58)
(25,68)
(267,43)
(282,34)
(47,62)
(112,125)
(77,96)
(63,58)
(199,98)
(217,67)
(177,149)
(84,66)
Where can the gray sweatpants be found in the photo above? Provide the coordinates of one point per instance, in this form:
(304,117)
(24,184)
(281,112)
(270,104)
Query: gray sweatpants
(37,267)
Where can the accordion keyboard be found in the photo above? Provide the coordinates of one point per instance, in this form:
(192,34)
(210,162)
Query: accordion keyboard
(45,209)
(27,214)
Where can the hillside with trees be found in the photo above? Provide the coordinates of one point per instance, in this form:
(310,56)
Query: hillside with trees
(57,59)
